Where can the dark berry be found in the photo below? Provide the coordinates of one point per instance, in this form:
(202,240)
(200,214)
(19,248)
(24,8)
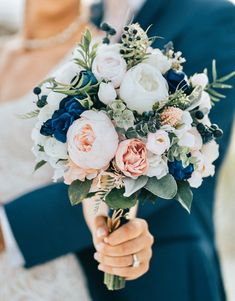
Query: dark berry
(214,127)
(126,28)
(37,90)
(124,36)
(105,27)
(42,101)
(151,113)
(130,39)
(138,38)
(122,51)
(112,32)
(201,127)
(134,31)
(218,133)
(199,115)
(106,40)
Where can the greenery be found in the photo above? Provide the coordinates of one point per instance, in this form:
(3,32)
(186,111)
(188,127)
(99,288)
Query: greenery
(86,50)
(39,165)
(165,187)
(116,199)
(184,195)
(78,191)
(29,115)
(218,83)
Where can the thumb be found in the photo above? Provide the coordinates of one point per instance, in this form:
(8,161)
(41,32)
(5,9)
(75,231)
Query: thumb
(101,228)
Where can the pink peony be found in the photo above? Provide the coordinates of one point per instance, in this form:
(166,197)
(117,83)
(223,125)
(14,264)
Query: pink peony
(131,158)
(92,141)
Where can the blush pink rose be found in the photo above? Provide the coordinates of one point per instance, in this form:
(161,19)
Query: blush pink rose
(131,158)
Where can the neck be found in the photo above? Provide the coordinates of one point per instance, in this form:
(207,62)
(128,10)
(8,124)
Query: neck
(44,19)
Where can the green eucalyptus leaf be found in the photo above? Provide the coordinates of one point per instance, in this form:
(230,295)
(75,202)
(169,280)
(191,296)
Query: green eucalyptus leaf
(165,187)
(78,191)
(184,195)
(134,185)
(226,77)
(116,199)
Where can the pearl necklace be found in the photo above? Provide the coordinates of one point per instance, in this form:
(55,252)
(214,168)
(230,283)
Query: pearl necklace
(61,38)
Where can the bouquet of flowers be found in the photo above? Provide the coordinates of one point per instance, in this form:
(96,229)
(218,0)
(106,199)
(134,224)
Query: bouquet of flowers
(122,122)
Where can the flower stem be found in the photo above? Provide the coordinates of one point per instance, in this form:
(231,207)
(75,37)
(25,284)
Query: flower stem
(114,282)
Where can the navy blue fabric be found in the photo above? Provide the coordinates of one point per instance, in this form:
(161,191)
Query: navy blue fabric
(185,262)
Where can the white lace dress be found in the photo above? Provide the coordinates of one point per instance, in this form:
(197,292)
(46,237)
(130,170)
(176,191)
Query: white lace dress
(61,279)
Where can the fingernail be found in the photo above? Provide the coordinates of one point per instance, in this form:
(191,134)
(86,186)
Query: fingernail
(100,232)
(99,246)
(100,267)
(96,256)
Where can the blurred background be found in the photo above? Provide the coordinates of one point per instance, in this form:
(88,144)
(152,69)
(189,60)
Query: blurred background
(11,15)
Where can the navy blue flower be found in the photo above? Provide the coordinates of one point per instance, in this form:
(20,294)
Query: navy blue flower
(179,172)
(177,80)
(70,110)
(88,77)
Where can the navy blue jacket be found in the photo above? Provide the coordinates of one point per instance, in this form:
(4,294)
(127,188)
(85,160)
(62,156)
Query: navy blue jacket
(185,264)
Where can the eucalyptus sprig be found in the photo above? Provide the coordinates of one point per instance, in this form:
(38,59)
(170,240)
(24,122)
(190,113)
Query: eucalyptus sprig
(86,50)
(218,83)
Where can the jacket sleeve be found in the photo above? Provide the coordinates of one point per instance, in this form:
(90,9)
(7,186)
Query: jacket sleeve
(46,226)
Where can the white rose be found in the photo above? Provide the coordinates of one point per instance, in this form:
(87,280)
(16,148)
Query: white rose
(56,149)
(196,179)
(107,93)
(54,99)
(157,166)
(109,65)
(158,60)
(210,151)
(67,72)
(199,79)
(158,142)
(143,86)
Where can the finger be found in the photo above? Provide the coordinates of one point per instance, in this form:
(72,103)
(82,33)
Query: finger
(101,228)
(127,232)
(127,248)
(129,273)
(123,261)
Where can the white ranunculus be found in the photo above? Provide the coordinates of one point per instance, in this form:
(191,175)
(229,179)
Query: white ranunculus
(210,151)
(143,86)
(67,72)
(198,139)
(158,142)
(185,124)
(187,140)
(109,65)
(199,79)
(158,60)
(157,166)
(56,149)
(54,99)
(92,140)
(107,93)
(196,179)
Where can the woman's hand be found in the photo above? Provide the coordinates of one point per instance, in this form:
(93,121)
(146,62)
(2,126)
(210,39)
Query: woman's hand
(115,251)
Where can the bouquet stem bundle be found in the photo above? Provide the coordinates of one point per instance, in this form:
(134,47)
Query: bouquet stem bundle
(116,219)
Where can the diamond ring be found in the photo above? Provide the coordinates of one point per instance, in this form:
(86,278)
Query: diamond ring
(136,262)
